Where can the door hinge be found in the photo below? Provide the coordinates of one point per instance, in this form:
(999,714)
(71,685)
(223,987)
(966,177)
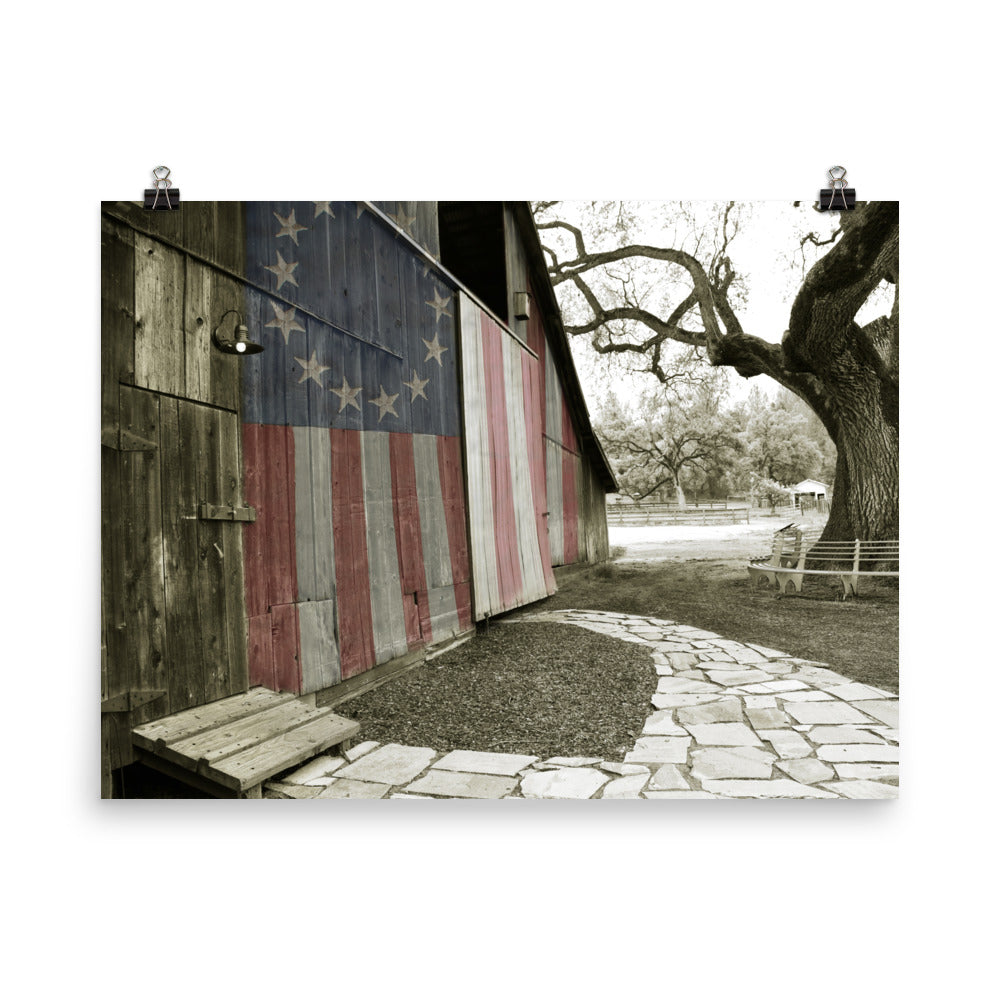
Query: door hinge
(225,512)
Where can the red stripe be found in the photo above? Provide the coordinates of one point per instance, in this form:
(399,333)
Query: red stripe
(533,376)
(568,434)
(409,545)
(261,655)
(354,604)
(269,549)
(453,498)
(285,643)
(505,530)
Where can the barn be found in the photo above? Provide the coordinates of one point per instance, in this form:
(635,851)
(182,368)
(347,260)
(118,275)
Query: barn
(335,436)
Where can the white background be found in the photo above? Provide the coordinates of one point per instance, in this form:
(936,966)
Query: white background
(514,101)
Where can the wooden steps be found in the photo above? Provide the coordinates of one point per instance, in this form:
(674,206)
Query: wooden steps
(229,747)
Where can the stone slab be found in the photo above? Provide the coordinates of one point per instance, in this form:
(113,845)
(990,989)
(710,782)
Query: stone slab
(659,750)
(676,700)
(767,718)
(807,694)
(677,795)
(863,789)
(320,767)
(623,770)
(765,651)
(852,753)
(628,787)
(884,711)
(393,764)
(480,762)
(661,723)
(681,685)
(278,790)
(360,750)
(875,771)
(760,701)
(818,675)
(563,783)
(855,692)
(723,710)
(808,770)
(730,678)
(779,788)
(668,778)
(735,762)
(724,734)
(347,788)
(823,712)
(842,734)
(572,761)
(463,785)
(772,687)
(787,744)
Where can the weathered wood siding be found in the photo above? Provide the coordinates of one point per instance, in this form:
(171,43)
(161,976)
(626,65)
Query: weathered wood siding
(351,427)
(507,563)
(172,583)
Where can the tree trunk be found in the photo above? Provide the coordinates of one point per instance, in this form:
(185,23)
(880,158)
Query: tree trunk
(865,501)
(681,500)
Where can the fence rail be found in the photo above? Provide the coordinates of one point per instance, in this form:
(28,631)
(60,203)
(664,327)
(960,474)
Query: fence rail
(649,514)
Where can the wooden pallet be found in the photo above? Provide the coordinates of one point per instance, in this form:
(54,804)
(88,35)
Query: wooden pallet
(228,748)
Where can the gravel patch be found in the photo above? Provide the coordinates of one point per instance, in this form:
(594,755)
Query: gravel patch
(541,689)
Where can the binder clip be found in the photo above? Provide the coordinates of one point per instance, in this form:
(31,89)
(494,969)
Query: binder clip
(838,197)
(161,197)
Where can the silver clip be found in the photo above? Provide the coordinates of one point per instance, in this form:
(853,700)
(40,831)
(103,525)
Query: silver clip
(161,182)
(838,182)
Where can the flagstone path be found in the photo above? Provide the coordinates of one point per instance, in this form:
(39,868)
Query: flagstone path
(728,720)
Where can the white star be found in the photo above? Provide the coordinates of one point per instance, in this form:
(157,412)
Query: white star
(312,369)
(434,350)
(348,396)
(323,208)
(439,305)
(283,271)
(384,404)
(416,387)
(284,320)
(289,227)
(401,219)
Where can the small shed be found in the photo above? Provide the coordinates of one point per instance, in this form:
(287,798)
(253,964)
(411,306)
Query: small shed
(811,493)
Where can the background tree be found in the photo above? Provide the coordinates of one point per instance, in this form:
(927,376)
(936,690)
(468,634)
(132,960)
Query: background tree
(846,371)
(777,444)
(679,439)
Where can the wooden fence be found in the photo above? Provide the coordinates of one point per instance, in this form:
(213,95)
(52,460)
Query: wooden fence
(649,514)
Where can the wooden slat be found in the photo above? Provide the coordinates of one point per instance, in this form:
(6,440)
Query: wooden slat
(197,326)
(231,738)
(117,321)
(144,606)
(159,317)
(185,724)
(260,762)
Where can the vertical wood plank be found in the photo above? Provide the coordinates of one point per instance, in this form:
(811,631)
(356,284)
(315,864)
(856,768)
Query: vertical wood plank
(409,541)
(233,588)
(453,501)
(117,321)
(159,320)
(388,625)
(354,607)
(197,331)
(144,650)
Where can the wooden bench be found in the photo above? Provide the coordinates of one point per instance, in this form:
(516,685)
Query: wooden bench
(798,552)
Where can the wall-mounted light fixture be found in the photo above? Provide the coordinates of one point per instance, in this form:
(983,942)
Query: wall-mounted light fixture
(236,342)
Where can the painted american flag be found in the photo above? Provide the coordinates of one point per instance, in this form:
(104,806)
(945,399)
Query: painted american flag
(352,453)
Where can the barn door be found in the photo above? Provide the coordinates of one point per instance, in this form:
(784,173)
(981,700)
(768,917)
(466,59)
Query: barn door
(173,578)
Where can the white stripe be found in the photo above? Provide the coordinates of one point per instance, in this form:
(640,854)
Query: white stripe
(485,581)
(529,556)
(388,625)
(318,640)
(434,537)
